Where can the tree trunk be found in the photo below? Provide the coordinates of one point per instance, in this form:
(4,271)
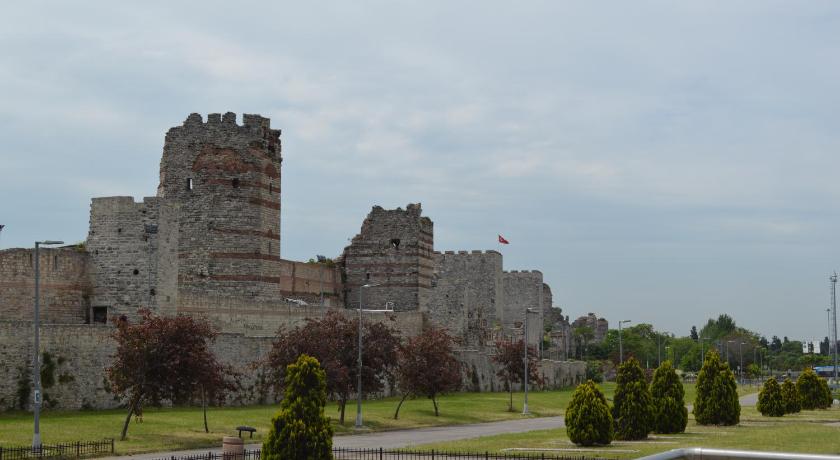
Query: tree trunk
(436,406)
(397,413)
(510,403)
(204,406)
(132,405)
(341,403)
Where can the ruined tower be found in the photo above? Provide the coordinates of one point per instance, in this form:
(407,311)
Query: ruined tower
(394,252)
(225,179)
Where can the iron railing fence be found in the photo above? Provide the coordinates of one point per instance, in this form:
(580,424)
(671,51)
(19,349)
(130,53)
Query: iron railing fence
(400,454)
(62,450)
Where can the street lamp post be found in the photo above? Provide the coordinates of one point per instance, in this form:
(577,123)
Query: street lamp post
(741,365)
(36,360)
(727,352)
(359,371)
(667,352)
(525,355)
(620,345)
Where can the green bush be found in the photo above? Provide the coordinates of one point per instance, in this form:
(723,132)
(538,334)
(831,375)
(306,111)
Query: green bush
(300,431)
(828,397)
(813,391)
(770,402)
(790,397)
(669,412)
(588,418)
(594,371)
(633,405)
(717,393)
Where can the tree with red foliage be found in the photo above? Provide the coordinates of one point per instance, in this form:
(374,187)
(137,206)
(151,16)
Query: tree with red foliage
(333,341)
(427,366)
(166,358)
(509,355)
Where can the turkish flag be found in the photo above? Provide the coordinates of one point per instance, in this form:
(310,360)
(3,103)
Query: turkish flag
(502,240)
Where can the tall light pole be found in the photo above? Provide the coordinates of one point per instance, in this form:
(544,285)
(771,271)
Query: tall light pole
(834,320)
(36,359)
(620,345)
(658,350)
(741,366)
(727,352)
(667,353)
(828,325)
(525,356)
(359,370)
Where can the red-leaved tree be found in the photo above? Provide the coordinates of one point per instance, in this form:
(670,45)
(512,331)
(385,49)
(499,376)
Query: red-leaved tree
(511,360)
(333,341)
(427,366)
(166,358)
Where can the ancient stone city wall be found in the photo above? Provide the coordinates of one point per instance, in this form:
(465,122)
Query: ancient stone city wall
(65,291)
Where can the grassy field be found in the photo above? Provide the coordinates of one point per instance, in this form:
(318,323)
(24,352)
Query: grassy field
(181,428)
(807,432)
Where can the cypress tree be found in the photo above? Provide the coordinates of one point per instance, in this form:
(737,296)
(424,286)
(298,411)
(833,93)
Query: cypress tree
(770,402)
(717,393)
(633,405)
(669,412)
(790,397)
(300,431)
(813,390)
(588,418)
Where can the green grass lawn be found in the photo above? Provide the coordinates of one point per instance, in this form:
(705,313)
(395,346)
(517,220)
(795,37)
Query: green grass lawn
(807,432)
(181,428)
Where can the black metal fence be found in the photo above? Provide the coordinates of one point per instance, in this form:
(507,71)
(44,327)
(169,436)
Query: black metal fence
(401,454)
(64,450)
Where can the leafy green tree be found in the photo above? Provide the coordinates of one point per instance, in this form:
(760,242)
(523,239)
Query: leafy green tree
(301,431)
(588,418)
(717,393)
(427,367)
(509,357)
(633,405)
(813,392)
(770,401)
(669,412)
(790,397)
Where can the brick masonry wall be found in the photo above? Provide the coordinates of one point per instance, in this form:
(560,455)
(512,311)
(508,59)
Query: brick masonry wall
(65,290)
(466,294)
(522,290)
(395,250)
(225,178)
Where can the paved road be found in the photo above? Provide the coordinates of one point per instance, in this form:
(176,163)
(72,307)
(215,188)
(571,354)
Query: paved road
(402,438)
(749,400)
(405,438)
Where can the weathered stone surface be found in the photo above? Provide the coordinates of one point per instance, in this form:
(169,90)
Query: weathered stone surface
(599,326)
(208,245)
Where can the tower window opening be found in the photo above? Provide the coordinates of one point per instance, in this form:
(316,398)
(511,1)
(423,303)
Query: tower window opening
(395,243)
(55,262)
(189,184)
(235,183)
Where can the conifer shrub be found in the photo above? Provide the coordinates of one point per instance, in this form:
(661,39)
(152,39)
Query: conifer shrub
(632,403)
(717,393)
(813,391)
(588,418)
(826,391)
(300,431)
(790,397)
(770,401)
(669,412)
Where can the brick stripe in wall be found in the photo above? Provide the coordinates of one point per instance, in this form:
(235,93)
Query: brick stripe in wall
(265,203)
(234,231)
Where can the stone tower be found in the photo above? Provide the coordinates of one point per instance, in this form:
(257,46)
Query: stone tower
(225,180)
(394,251)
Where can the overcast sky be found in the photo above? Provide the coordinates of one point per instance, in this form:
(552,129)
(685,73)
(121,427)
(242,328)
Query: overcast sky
(662,162)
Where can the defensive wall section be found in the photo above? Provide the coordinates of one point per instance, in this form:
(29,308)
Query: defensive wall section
(208,245)
(465,295)
(65,288)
